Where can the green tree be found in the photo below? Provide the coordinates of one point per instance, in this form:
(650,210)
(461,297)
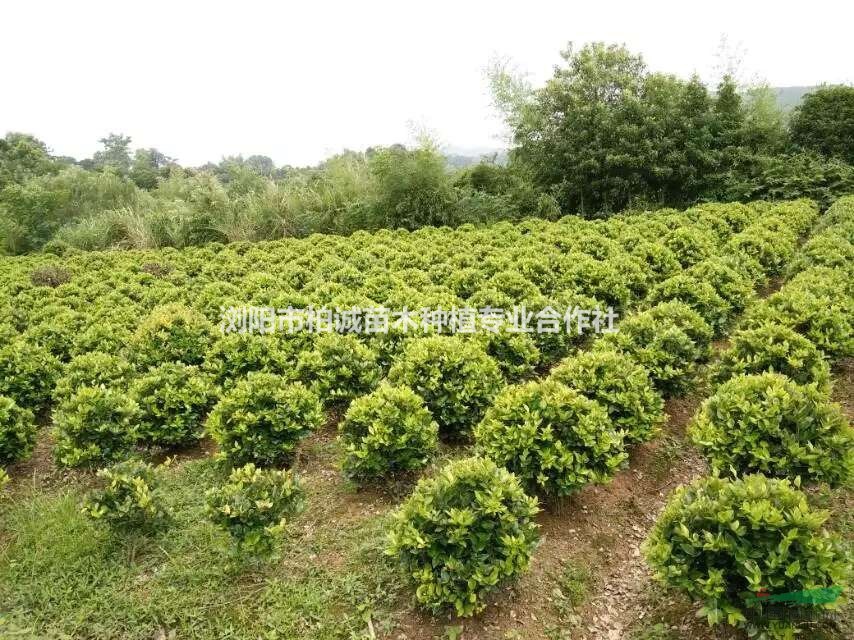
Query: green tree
(262,165)
(412,188)
(115,155)
(604,133)
(148,166)
(765,130)
(824,122)
(22,157)
(571,137)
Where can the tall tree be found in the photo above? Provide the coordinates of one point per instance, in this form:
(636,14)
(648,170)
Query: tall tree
(22,157)
(115,155)
(824,122)
(148,166)
(571,134)
(262,165)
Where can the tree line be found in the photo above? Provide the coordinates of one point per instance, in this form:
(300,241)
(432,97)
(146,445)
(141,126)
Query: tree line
(603,134)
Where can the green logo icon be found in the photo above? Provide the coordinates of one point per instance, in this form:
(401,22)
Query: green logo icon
(824,595)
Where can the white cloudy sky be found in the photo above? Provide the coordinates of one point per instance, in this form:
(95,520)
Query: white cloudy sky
(300,80)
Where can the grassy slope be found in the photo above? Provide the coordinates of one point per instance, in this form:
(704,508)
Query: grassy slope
(62,576)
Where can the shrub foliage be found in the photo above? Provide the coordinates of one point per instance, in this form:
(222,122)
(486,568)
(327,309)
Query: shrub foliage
(17,431)
(95,425)
(455,377)
(621,386)
(772,347)
(554,439)
(262,419)
(462,533)
(766,423)
(722,541)
(130,498)
(253,506)
(386,432)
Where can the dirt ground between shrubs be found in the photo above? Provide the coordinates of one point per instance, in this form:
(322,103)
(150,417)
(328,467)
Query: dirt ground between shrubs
(599,532)
(594,537)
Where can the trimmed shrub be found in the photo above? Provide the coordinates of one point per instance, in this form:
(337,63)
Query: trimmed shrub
(744,265)
(824,250)
(772,347)
(551,437)
(772,250)
(92,370)
(171,333)
(17,431)
(795,216)
(699,296)
(7,332)
(456,378)
(730,284)
(27,374)
(102,336)
(602,279)
(235,355)
(513,284)
(339,368)
(55,328)
(722,542)
(664,350)
(554,345)
(386,432)
(253,506)
(262,419)
(691,244)
(835,284)
(766,423)
(517,354)
(680,315)
(95,425)
(130,498)
(462,533)
(621,386)
(825,321)
(661,260)
(173,400)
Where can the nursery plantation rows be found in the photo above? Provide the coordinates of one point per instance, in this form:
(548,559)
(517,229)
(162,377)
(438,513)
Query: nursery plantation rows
(643,432)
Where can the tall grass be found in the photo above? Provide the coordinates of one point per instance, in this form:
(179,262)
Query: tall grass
(385,188)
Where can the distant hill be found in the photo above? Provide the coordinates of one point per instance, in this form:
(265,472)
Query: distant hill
(461,157)
(790,97)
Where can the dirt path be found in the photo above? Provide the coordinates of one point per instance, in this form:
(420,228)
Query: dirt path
(631,507)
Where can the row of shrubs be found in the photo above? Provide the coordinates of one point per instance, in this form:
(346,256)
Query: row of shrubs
(113,386)
(747,530)
(253,505)
(467,528)
(471,525)
(104,405)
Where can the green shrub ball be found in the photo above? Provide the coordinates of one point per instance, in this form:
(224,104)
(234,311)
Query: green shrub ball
(621,386)
(720,541)
(462,533)
(262,419)
(768,424)
(387,432)
(554,439)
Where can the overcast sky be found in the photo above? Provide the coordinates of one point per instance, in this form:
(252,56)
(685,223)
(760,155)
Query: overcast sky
(300,80)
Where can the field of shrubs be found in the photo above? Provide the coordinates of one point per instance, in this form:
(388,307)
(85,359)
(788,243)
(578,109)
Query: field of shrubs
(168,479)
